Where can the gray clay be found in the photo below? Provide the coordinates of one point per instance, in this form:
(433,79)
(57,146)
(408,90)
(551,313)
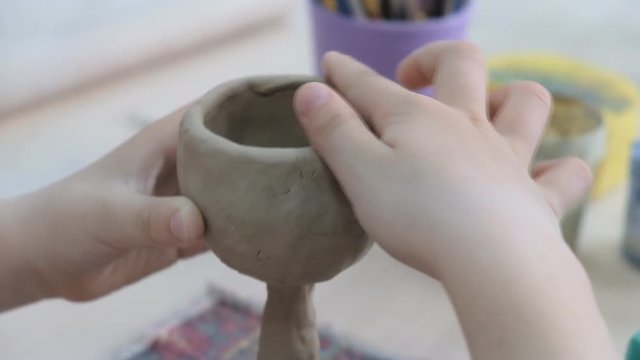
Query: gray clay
(288,327)
(272,208)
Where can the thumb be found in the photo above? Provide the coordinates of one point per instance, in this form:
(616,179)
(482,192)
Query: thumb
(565,182)
(156,221)
(334,129)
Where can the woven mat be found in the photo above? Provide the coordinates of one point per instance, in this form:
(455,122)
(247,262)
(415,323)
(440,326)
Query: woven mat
(228,329)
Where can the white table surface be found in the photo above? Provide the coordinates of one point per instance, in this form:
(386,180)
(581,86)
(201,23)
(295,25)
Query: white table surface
(377,302)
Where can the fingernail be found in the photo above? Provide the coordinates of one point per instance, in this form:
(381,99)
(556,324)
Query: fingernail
(311,96)
(178,228)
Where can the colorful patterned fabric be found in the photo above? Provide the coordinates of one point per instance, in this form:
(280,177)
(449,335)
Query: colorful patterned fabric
(229,330)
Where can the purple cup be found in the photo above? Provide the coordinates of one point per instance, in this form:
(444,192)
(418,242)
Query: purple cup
(382,44)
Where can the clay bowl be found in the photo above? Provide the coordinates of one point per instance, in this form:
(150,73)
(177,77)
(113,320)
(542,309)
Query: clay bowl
(272,209)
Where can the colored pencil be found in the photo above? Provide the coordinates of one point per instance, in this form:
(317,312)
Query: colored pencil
(331,5)
(394,9)
(426,6)
(449,6)
(385,7)
(398,10)
(358,9)
(414,10)
(344,8)
(437,10)
(372,8)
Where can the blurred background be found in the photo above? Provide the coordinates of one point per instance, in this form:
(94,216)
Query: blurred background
(79,77)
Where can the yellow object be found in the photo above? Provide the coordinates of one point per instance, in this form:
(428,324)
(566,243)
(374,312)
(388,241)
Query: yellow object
(331,5)
(373,8)
(613,95)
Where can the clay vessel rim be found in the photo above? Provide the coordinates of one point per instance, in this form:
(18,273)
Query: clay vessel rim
(196,117)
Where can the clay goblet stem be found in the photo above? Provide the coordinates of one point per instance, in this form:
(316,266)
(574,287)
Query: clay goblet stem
(288,326)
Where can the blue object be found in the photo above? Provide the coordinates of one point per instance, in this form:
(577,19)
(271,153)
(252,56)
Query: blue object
(385,8)
(437,10)
(344,7)
(633,351)
(631,243)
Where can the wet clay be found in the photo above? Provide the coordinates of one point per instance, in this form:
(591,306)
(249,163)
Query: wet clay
(272,208)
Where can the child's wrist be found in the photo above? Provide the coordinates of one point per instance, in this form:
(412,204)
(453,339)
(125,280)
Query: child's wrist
(509,249)
(522,257)
(531,297)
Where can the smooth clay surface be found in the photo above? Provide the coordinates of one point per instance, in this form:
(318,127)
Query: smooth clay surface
(288,327)
(272,208)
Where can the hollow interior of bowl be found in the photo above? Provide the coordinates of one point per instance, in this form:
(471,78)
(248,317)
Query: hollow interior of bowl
(256,114)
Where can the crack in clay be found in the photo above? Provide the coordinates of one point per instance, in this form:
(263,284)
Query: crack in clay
(262,256)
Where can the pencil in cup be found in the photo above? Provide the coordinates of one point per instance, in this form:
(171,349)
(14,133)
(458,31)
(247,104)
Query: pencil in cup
(381,44)
(398,10)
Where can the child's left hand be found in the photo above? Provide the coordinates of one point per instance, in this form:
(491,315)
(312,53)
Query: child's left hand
(112,223)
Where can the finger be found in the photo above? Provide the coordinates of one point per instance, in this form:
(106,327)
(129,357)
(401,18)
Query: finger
(136,220)
(334,129)
(376,98)
(565,182)
(496,100)
(161,134)
(456,70)
(521,113)
(148,159)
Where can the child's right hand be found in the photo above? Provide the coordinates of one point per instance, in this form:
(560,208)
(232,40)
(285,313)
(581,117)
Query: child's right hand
(438,181)
(443,184)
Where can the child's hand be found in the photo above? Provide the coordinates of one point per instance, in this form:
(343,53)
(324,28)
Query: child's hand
(114,222)
(437,181)
(444,186)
